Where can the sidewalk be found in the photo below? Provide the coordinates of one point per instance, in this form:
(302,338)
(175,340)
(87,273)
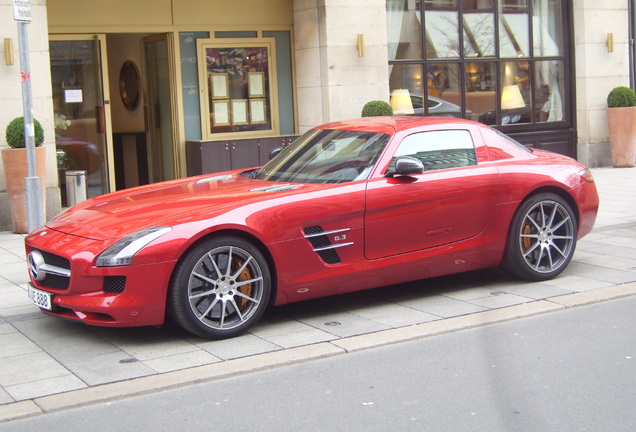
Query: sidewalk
(42,355)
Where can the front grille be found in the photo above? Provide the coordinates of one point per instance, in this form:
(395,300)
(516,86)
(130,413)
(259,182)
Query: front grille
(114,284)
(56,260)
(52,280)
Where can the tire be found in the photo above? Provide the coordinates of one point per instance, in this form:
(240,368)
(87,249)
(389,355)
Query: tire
(214,300)
(542,238)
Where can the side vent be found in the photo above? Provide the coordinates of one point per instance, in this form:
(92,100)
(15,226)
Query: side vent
(322,245)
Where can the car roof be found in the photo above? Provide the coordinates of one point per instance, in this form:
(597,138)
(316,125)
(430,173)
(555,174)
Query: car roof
(393,124)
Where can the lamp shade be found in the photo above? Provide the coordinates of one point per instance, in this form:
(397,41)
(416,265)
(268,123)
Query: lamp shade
(401,102)
(511,98)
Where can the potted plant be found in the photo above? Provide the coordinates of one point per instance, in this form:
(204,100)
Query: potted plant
(14,160)
(377,108)
(621,118)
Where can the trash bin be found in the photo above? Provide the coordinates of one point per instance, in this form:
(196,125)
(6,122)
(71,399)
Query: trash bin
(75,187)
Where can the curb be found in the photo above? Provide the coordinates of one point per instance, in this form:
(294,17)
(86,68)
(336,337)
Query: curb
(229,368)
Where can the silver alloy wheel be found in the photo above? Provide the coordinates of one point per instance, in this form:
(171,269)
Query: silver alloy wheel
(547,236)
(225,288)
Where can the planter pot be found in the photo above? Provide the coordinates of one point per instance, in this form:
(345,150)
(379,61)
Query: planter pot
(622,128)
(15,170)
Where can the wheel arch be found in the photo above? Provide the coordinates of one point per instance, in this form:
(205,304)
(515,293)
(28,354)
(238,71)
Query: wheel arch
(247,237)
(547,189)
(557,191)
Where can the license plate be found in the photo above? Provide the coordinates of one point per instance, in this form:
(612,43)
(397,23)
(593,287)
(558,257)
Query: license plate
(41,298)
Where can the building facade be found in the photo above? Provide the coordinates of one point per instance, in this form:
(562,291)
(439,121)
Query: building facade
(140,91)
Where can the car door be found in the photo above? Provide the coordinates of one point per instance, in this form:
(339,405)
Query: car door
(452,200)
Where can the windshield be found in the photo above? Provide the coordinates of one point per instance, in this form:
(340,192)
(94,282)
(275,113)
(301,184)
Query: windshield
(326,156)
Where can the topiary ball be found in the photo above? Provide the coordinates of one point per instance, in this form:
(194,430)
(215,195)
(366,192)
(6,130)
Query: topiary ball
(376,108)
(621,97)
(15,133)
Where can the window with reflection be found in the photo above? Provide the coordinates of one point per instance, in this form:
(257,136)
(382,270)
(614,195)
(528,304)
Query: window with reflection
(514,28)
(501,62)
(549,91)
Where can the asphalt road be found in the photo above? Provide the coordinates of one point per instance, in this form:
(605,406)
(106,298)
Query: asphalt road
(573,370)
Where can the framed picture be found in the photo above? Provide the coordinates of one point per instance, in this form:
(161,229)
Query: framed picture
(220,85)
(221,113)
(257,111)
(256,84)
(237,87)
(239,112)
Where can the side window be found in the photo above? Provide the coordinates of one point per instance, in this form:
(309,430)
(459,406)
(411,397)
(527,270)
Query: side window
(440,149)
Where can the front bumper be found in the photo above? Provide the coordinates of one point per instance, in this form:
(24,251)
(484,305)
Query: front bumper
(133,295)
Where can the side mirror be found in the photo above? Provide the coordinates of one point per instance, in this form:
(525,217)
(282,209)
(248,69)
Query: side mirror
(275,152)
(407,165)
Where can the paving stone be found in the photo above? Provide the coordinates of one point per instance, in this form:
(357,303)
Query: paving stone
(288,333)
(5,398)
(14,344)
(442,306)
(500,301)
(181,361)
(146,343)
(242,346)
(393,315)
(539,290)
(341,324)
(44,387)
(108,367)
(20,369)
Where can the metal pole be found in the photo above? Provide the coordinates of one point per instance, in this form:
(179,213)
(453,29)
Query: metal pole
(32,183)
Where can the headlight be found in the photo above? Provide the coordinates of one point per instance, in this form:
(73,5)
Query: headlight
(122,252)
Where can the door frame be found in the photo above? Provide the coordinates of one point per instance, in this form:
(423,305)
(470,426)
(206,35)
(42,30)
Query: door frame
(174,103)
(107,124)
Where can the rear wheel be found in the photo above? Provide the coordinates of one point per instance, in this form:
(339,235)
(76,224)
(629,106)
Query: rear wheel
(220,288)
(542,238)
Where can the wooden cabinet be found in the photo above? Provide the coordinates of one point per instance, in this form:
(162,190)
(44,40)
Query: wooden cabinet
(204,157)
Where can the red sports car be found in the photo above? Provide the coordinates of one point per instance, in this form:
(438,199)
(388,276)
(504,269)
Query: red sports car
(348,206)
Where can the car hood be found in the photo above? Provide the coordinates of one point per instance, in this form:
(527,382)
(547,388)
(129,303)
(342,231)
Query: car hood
(169,203)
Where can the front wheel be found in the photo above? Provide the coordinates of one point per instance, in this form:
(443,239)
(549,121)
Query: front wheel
(542,238)
(220,288)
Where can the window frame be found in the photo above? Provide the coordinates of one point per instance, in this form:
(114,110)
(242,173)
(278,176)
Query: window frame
(270,87)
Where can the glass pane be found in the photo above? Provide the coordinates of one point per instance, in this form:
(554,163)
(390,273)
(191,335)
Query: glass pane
(406,78)
(547,27)
(442,29)
(481,95)
(238,89)
(479,28)
(549,94)
(80,140)
(285,81)
(404,28)
(516,100)
(514,32)
(439,149)
(190,83)
(159,112)
(444,95)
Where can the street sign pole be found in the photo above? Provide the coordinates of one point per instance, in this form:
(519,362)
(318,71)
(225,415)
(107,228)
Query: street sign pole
(32,183)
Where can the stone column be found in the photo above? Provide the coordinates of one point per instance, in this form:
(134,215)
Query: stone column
(597,72)
(333,82)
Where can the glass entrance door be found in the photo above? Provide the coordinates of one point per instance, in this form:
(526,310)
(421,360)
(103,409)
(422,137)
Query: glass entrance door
(82,115)
(162,129)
